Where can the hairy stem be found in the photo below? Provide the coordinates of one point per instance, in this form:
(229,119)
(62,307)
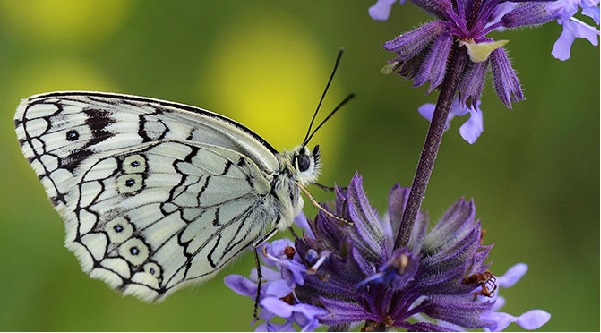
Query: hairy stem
(432,143)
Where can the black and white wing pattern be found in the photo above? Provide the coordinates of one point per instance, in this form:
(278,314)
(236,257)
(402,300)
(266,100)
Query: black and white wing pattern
(156,194)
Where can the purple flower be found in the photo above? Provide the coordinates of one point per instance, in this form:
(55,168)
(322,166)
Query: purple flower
(423,53)
(277,297)
(471,129)
(572,27)
(353,275)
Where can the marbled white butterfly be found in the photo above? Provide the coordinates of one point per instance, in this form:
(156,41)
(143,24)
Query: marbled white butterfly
(155,194)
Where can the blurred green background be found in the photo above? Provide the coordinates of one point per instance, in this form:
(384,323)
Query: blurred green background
(533,173)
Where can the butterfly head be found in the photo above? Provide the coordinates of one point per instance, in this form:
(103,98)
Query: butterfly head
(307,163)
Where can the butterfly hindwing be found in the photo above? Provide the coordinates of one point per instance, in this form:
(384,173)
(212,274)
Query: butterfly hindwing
(154,194)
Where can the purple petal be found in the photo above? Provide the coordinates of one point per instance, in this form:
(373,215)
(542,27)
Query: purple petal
(381,10)
(427,327)
(572,29)
(512,276)
(285,310)
(499,302)
(241,285)
(454,226)
(437,8)
(293,272)
(277,307)
(427,111)
(419,230)
(505,80)
(499,11)
(434,66)
(278,288)
(497,321)
(301,222)
(464,314)
(528,14)
(368,235)
(309,311)
(277,248)
(267,274)
(275,327)
(344,312)
(472,83)
(410,44)
(533,319)
(473,127)
(458,108)
(592,12)
(275,255)
(311,325)
(563,44)
(397,200)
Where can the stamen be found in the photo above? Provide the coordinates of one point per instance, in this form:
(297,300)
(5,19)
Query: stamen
(322,257)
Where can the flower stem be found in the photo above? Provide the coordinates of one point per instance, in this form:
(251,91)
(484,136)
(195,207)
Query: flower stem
(432,143)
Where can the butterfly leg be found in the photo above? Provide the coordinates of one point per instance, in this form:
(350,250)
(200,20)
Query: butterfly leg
(318,206)
(328,188)
(259,277)
(256,245)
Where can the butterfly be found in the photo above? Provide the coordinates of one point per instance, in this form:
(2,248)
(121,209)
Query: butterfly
(156,195)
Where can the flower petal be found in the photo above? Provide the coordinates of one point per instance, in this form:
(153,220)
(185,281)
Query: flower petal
(434,66)
(572,29)
(497,321)
(277,307)
(505,80)
(279,288)
(412,43)
(528,14)
(473,127)
(301,222)
(368,233)
(241,285)
(512,276)
(381,10)
(533,319)
(462,313)
(341,312)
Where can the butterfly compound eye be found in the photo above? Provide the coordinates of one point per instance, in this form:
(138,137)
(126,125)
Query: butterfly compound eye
(303,162)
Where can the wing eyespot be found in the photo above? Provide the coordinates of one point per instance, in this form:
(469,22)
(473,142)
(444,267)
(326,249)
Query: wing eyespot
(135,251)
(134,164)
(119,230)
(129,183)
(72,135)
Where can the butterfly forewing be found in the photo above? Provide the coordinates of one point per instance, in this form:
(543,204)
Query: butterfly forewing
(154,194)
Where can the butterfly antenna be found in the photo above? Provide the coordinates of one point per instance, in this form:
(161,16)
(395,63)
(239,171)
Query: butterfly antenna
(340,52)
(341,104)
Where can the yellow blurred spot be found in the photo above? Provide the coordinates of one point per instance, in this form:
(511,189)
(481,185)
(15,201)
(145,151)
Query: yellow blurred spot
(269,75)
(63,21)
(479,52)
